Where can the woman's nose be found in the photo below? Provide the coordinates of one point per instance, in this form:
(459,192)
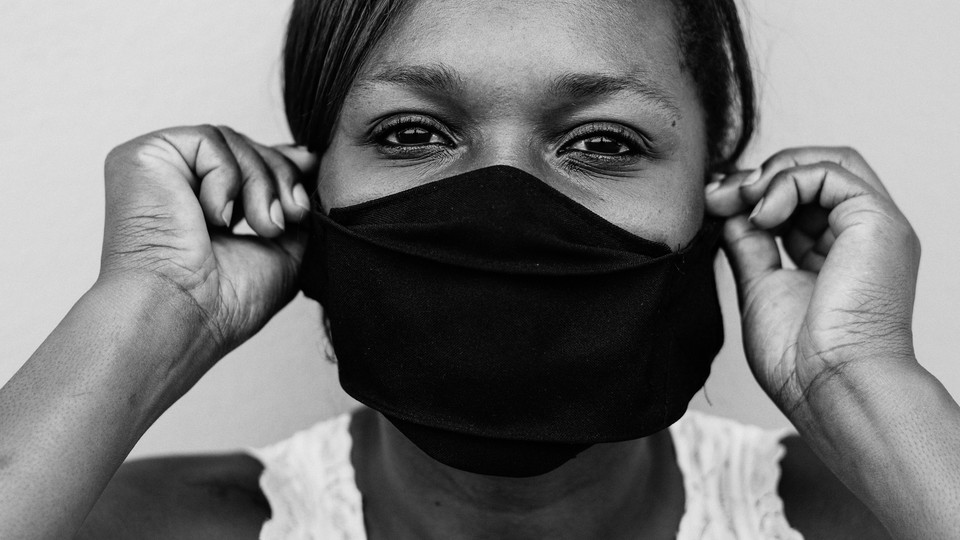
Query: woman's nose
(508,144)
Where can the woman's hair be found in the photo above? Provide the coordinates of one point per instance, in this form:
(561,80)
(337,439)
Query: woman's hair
(329,40)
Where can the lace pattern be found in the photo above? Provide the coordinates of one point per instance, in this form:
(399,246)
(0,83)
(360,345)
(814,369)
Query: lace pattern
(309,481)
(730,475)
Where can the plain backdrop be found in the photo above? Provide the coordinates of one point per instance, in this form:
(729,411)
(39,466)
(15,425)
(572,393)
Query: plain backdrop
(77,78)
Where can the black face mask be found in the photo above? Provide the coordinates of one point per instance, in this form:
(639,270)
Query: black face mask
(503,327)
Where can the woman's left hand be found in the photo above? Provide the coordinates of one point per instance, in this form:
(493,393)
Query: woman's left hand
(847,307)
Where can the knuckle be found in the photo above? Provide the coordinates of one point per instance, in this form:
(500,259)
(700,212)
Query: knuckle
(114,157)
(787,156)
(823,170)
(782,153)
(285,173)
(789,175)
(830,167)
(208,131)
(850,155)
(131,154)
(848,151)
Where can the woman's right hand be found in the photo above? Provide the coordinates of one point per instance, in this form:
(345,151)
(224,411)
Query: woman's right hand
(172,199)
(177,290)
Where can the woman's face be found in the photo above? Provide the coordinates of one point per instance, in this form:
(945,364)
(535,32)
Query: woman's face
(589,97)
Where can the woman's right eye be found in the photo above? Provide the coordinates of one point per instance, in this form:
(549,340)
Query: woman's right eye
(413,136)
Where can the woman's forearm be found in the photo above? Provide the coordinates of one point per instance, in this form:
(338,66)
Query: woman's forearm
(73,412)
(892,434)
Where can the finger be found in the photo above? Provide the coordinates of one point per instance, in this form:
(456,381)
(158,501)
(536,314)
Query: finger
(824,242)
(289,186)
(808,230)
(210,167)
(826,184)
(309,165)
(261,205)
(305,160)
(806,251)
(845,157)
(752,251)
(723,197)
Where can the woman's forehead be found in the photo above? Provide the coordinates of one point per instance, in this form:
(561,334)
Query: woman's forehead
(508,45)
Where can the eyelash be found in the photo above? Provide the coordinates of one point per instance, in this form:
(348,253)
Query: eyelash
(637,145)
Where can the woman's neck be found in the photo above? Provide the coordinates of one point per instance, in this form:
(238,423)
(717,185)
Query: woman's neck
(612,490)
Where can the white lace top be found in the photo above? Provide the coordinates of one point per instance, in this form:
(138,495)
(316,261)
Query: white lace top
(730,476)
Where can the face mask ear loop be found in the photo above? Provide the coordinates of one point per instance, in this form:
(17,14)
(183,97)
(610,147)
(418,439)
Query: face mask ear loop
(313,274)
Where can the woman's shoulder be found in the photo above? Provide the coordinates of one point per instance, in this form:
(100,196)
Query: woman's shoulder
(817,503)
(209,496)
(216,496)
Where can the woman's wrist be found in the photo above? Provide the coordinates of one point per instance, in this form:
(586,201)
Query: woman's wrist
(162,337)
(887,429)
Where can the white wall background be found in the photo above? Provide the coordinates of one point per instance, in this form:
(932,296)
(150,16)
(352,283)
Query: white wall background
(81,77)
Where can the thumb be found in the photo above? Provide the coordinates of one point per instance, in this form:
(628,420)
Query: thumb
(752,252)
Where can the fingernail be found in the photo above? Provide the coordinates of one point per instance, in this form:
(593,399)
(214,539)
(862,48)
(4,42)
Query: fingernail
(756,209)
(300,197)
(752,177)
(716,177)
(227,213)
(712,186)
(276,214)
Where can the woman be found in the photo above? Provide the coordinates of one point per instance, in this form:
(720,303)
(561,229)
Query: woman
(604,119)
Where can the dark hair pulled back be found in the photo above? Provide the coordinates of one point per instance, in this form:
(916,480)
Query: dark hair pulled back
(329,40)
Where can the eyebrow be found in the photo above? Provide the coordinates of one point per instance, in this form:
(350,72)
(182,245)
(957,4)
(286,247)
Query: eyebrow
(444,80)
(437,78)
(587,85)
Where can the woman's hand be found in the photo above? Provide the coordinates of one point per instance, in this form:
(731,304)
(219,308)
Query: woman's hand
(172,198)
(177,290)
(847,307)
(831,341)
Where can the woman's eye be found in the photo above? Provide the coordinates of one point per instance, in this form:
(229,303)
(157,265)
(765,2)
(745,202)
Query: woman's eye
(601,144)
(413,136)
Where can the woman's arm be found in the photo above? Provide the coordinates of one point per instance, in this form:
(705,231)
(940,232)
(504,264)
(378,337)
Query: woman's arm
(177,291)
(831,340)
(891,432)
(73,412)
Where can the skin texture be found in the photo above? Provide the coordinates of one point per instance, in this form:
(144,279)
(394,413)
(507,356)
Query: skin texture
(504,112)
(829,342)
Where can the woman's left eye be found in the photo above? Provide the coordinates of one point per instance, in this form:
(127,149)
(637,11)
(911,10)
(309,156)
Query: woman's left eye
(604,144)
(601,144)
